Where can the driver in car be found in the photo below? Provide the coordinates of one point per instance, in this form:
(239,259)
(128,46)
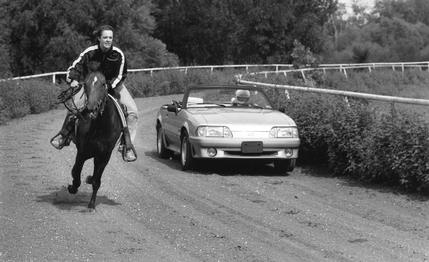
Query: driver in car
(241,97)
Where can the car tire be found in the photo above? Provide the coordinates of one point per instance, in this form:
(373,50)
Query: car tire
(186,158)
(284,165)
(162,150)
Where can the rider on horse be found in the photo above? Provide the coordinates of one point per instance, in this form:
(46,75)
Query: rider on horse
(110,61)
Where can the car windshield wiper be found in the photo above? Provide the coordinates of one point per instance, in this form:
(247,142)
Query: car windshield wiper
(206,103)
(221,105)
(256,106)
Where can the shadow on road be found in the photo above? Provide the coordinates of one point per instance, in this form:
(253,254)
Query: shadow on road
(223,167)
(66,201)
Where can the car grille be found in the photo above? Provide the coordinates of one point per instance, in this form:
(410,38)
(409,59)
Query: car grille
(239,153)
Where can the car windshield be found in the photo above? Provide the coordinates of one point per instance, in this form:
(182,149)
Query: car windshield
(227,97)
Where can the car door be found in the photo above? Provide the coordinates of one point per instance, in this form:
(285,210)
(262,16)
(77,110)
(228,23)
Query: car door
(172,126)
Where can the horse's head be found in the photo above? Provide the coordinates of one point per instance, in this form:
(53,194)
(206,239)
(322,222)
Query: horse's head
(96,92)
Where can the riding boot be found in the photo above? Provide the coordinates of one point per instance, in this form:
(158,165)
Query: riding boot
(129,153)
(63,137)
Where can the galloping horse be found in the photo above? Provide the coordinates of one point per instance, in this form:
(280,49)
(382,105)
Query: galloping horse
(97,131)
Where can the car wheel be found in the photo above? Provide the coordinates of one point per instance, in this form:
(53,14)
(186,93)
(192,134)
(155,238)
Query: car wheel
(186,159)
(284,165)
(162,150)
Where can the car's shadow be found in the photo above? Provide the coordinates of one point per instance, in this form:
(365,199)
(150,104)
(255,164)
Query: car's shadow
(223,167)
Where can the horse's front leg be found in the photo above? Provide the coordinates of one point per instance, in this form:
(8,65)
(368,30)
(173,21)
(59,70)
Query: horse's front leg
(100,163)
(76,171)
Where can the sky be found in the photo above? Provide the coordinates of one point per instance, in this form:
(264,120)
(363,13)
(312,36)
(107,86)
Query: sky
(348,3)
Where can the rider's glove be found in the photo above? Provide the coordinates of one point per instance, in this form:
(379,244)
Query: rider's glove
(74,84)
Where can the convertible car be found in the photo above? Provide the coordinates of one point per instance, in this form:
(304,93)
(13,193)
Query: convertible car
(218,122)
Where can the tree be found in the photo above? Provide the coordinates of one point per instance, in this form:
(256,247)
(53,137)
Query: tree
(240,31)
(47,35)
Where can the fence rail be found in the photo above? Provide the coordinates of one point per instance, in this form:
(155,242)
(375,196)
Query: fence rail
(279,69)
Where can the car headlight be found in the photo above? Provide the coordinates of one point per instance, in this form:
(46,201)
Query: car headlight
(284,132)
(214,131)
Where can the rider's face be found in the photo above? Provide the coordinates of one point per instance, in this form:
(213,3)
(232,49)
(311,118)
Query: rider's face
(106,39)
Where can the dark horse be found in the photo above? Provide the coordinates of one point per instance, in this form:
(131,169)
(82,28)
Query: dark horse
(98,129)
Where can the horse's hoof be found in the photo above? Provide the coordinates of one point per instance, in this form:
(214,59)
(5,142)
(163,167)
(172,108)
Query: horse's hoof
(91,207)
(89,180)
(72,189)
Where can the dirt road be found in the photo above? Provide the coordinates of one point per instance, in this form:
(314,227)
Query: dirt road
(152,211)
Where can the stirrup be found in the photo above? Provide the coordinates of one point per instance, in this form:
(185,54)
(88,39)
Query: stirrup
(58,141)
(128,154)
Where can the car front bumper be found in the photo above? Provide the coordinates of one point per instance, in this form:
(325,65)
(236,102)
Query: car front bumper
(275,148)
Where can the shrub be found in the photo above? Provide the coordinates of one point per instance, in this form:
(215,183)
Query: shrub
(19,98)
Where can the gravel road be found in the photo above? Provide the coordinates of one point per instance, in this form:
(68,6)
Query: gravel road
(150,210)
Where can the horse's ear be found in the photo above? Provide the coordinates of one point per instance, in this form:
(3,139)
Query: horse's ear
(94,66)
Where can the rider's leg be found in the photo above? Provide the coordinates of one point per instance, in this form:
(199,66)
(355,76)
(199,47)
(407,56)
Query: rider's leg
(127,100)
(63,137)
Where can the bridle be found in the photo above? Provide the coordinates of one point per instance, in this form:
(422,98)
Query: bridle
(68,94)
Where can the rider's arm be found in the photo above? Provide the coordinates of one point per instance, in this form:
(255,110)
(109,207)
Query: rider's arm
(121,69)
(76,70)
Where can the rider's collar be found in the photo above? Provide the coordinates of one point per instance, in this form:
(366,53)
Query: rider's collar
(103,50)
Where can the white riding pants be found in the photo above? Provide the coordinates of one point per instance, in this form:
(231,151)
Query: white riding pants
(128,101)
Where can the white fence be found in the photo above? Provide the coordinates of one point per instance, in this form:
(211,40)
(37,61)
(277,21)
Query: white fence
(279,69)
(343,68)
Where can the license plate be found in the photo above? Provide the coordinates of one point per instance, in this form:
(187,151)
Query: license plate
(252,147)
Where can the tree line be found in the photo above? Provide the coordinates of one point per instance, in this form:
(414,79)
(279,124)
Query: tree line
(47,35)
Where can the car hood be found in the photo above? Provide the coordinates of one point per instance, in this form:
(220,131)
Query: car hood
(241,118)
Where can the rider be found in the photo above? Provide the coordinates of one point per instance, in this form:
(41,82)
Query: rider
(112,63)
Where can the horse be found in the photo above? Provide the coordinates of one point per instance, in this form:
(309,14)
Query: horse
(98,129)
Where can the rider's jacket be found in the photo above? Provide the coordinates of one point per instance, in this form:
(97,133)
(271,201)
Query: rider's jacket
(111,63)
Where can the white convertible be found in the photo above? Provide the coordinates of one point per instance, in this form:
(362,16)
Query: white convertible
(226,122)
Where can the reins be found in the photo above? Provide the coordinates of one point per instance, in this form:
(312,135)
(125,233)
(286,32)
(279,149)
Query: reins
(68,94)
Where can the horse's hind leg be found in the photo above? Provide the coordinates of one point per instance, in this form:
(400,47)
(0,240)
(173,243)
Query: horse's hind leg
(99,165)
(76,171)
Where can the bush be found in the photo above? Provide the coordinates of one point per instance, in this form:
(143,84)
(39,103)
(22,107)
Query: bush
(19,98)
(371,142)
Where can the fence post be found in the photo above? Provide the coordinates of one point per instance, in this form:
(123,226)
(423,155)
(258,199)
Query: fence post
(53,79)
(347,101)
(303,76)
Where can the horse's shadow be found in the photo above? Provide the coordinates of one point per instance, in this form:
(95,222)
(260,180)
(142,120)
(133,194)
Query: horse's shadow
(63,200)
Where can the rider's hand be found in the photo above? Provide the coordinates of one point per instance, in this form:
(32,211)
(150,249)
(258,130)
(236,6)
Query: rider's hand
(74,83)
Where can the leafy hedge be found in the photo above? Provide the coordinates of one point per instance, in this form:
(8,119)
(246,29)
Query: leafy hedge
(369,141)
(19,98)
